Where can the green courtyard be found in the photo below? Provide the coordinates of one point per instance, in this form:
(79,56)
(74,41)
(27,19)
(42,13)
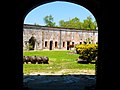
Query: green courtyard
(58,61)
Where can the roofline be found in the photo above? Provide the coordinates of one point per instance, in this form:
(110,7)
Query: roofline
(60,28)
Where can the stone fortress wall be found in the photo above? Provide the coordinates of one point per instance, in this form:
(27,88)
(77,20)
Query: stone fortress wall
(56,38)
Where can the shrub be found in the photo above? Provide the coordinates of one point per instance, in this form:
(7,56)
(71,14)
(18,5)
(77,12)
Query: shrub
(87,51)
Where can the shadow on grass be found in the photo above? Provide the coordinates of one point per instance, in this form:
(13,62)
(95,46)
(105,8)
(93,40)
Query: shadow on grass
(59,82)
(85,62)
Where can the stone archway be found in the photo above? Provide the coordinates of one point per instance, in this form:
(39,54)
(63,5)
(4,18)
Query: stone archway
(28,5)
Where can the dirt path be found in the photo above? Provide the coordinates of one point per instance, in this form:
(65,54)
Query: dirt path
(66,72)
(58,81)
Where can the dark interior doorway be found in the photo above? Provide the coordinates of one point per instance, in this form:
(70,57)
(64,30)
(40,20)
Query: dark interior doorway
(68,43)
(51,42)
(32,43)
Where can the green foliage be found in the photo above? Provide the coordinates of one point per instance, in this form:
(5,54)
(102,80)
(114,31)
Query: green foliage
(77,24)
(87,51)
(49,21)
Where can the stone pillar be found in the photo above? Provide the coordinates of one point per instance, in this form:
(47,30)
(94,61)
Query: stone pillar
(60,42)
(42,39)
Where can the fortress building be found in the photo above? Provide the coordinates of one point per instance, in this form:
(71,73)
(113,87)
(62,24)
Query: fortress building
(56,38)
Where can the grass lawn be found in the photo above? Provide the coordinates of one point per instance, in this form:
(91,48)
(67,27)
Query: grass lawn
(58,60)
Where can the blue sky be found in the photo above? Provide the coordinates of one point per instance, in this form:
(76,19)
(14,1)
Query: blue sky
(60,10)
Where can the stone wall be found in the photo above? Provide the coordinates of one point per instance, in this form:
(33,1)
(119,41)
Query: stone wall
(52,38)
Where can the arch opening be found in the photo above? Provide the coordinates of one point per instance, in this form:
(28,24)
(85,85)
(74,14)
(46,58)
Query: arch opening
(52,42)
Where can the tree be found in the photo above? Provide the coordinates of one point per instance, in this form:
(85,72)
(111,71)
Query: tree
(62,23)
(77,24)
(49,21)
(72,23)
(89,24)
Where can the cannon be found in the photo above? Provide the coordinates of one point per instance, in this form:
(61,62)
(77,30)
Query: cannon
(26,59)
(38,59)
(45,59)
(32,59)
(35,59)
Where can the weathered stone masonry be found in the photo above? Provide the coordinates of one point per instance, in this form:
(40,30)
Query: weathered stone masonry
(52,38)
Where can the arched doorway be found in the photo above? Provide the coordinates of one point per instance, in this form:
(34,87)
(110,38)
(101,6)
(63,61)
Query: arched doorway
(82,3)
(32,41)
(51,44)
(68,40)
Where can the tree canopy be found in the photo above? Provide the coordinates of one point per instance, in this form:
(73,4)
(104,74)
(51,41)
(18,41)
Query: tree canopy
(75,22)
